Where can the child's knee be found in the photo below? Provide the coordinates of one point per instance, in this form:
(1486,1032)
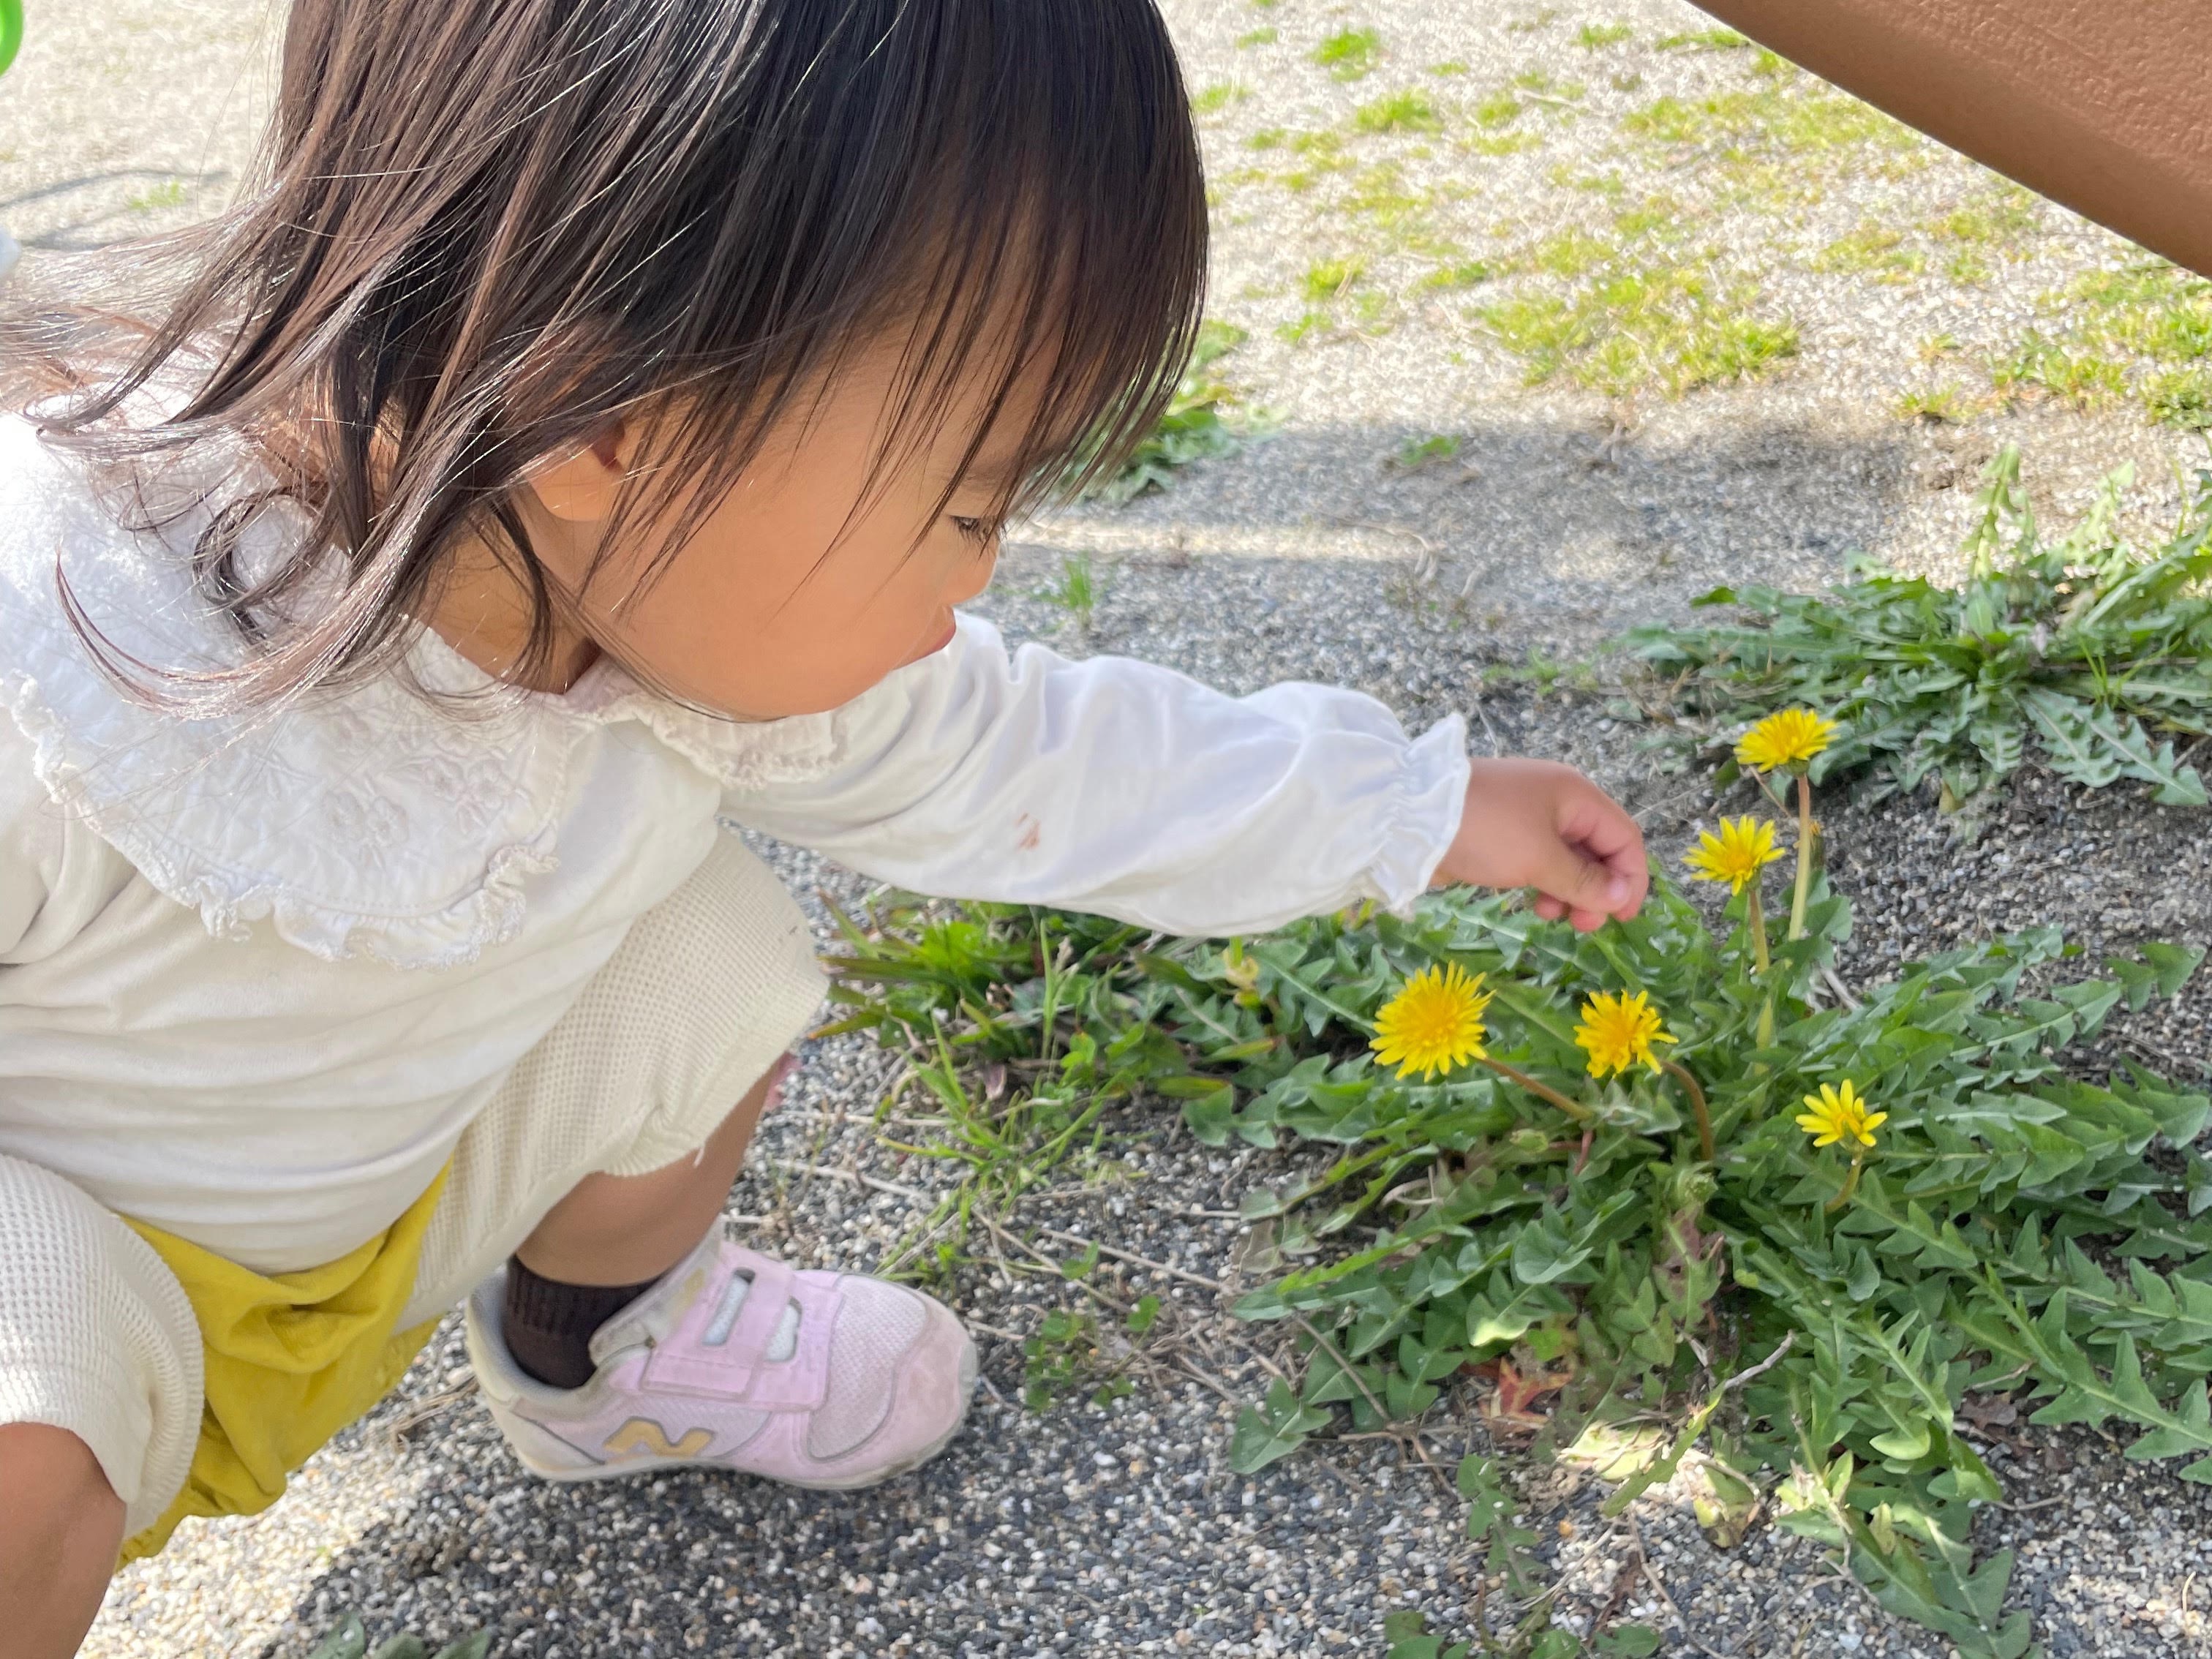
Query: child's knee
(61,1528)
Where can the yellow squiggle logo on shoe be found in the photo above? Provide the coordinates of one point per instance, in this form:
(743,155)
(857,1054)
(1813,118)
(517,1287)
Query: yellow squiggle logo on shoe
(642,1436)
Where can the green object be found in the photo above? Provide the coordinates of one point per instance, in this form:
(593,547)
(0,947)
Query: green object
(11,31)
(349,1640)
(1204,420)
(1821,1324)
(2080,653)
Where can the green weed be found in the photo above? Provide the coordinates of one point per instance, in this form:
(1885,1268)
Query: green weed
(349,1639)
(2143,331)
(1076,592)
(1211,99)
(2041,366)
(1941,405)
(1498,143)
(169,193)
(1321,152)
(1967,268)
(1327,279)
(1791,121)
(2181,397)
(1702,40)
(1415,453)
(1450,66)
(1070,1354)
(1872,249)
(1656,216)
(1666,1255)
(1625,327)
(1000,1141)
(1571,254)
(1204,419)
(1542,672)
(1349,53)
(2005,216)
(1501,108)
(2080,651)
(1264,36)
(1537,83)
(1379,197)
(1609,184)
(1398,112)
(1464,273)
(1593,37)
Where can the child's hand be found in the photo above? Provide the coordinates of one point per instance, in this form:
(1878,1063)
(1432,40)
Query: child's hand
(1536,824)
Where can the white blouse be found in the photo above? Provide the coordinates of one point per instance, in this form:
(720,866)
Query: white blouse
(258,974)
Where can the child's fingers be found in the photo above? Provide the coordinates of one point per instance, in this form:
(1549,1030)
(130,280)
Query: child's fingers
(1586,888)
(1552,910)
(1595,826)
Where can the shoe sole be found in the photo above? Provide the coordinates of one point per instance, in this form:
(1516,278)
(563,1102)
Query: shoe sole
(969,1368)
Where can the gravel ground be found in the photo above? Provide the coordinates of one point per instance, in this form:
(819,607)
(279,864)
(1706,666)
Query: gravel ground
(1093,1529)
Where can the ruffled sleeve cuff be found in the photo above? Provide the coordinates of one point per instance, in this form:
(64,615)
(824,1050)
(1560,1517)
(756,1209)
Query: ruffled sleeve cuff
(1429,798)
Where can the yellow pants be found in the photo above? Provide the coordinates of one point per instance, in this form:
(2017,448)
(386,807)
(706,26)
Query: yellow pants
(291,1358)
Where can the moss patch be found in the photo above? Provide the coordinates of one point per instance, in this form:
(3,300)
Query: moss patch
(1629,324)
(1398,112)
(1349,53)
(2142,332)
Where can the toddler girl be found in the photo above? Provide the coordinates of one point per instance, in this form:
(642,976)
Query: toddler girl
(574,444)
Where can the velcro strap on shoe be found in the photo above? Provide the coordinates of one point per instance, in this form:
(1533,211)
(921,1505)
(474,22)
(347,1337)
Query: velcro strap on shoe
(738,1368)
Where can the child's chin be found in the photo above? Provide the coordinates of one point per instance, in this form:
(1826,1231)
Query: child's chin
(937,642)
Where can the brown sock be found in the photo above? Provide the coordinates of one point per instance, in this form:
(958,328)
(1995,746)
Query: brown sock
(548,1323)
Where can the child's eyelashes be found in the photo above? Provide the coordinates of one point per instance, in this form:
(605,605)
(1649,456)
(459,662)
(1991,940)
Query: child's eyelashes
(981,531)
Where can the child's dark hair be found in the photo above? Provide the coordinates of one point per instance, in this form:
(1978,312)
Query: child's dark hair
(480,228)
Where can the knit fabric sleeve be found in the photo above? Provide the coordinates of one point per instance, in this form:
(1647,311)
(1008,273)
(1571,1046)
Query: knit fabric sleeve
(96,1337)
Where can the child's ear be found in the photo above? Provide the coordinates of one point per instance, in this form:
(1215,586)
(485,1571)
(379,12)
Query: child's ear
(581,485)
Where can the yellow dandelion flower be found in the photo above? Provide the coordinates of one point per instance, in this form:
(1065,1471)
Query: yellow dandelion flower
(1788,737)
(1835,1114)
(1744,847)
(1434,1024)
(1617,1032)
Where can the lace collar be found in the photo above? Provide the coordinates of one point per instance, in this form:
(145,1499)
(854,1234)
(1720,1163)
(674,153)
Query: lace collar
(364,822)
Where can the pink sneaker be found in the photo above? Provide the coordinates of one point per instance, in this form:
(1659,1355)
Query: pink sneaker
(735,1360)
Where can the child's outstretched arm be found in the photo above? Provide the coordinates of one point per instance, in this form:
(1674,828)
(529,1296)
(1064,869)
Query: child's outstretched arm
(1127,789)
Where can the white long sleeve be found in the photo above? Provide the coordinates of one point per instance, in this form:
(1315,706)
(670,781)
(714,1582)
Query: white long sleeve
(1121,788)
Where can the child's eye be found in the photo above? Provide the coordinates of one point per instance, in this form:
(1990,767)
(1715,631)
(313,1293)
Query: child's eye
(981,531)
